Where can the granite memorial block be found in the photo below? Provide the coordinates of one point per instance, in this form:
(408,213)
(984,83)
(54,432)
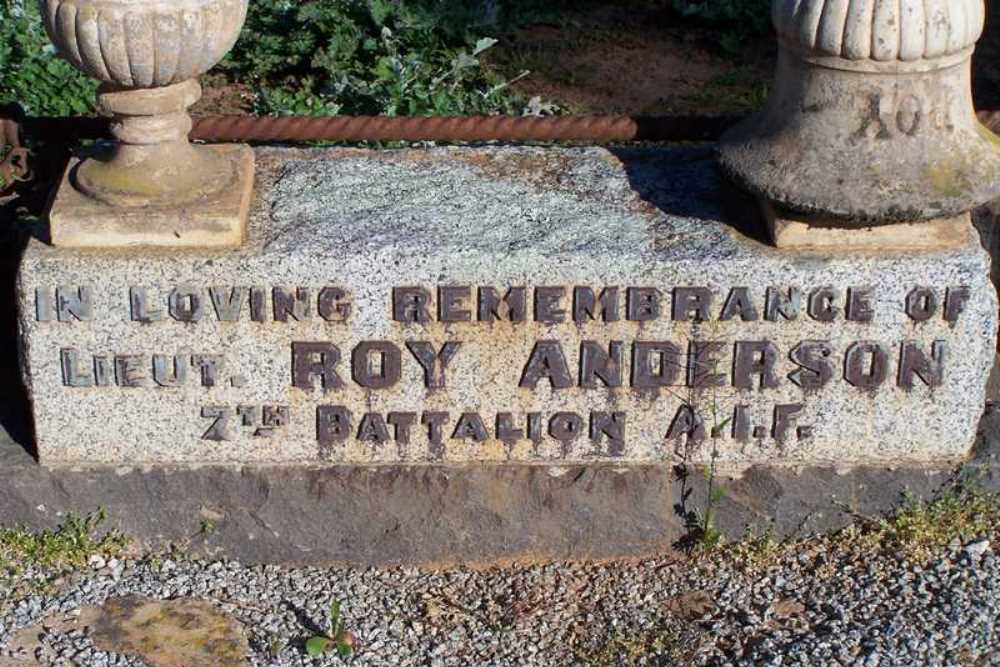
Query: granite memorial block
(508,306)
(523,305)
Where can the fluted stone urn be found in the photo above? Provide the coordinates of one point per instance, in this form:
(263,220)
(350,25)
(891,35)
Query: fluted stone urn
(871,120)
(151,187)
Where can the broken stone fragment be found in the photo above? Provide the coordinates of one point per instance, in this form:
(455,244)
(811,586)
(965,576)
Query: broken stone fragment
(174,633)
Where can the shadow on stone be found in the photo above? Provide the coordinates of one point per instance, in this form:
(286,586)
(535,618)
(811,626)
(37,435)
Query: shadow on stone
(15,419)
(686,182)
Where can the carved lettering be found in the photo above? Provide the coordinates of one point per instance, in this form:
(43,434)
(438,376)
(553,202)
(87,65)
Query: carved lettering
(547,362)
(220,416)
(548,305)
(596,364)
(291,303)
(228,302)
(955,301)
(822,306)
(373,429)
(784,305)
(433,363)
(655,364)
(333,305)
(333,424)
(815,369)
(141,307)
(452,304)
(610,425)
(515,304)
(585,305)
(642,304)
(755,359)
(866,365)
(73,372)
(185,304)
(411,305)
(170,371)
(703,364)
(739,303)
(921,304)
(312,361)
(376,364)
(470,426)
(692,304)
(915,363)
(859,304)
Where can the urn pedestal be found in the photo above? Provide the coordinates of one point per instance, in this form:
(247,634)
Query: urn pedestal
(151,186)
(870,132)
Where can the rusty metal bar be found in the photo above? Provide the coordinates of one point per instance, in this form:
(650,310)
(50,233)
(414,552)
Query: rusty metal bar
(589,129)
(579,129)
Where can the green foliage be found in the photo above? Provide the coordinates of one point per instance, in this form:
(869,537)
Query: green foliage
(336,637)
(30,72)
(962,512)
(658,646)
(51,554)
(66,548)
(392,57)
(738,22)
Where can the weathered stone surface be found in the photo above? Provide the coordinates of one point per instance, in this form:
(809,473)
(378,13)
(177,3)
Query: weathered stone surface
(790,231)
(334,234)
(151,187)
(170,633)
(217,220)
(441,515)
(871,119)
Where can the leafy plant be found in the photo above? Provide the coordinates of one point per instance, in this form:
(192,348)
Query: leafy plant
(53,553)
(392,57)
(738,21)
(31,74)
(336,637)
(961,512)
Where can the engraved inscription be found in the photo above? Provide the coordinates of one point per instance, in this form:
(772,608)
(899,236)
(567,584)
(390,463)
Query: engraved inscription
(512,372)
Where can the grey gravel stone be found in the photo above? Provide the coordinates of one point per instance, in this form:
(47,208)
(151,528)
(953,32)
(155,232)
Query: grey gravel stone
(822,606)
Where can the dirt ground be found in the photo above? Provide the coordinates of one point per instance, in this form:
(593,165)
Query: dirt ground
(643,62)
(613,59)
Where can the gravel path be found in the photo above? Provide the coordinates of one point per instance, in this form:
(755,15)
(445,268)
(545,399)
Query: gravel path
(819,605)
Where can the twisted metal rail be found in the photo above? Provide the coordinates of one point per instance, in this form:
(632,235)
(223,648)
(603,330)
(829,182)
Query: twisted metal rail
(582,129)
(591,129)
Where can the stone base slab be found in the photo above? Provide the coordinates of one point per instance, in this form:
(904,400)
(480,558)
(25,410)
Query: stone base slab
(79,221)
(794,232)
(440,515)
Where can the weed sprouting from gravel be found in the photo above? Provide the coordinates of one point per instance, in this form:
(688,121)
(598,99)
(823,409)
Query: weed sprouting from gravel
(962,512)
(336,637)
(53,553)
(656,646)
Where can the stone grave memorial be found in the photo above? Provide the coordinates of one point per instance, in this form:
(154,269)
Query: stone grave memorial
(481,353)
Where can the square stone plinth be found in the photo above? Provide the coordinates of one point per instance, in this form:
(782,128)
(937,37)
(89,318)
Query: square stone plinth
(508,305)
(219,221)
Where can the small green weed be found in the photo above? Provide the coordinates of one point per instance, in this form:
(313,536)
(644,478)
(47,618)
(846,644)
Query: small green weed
(336,637)
(51,554)
(755,552)
(659,646)
(963,512)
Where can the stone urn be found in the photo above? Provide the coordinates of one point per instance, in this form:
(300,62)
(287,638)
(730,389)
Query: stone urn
(871,120)
(148,55)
